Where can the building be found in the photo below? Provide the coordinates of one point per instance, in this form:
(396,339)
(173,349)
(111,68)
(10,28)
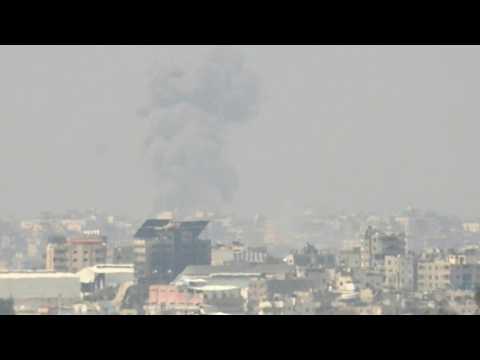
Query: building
(366,278)
(73,225)
(378,244)
(163,248)
(238,275)
(350,258)
(222,298)
(74,254)
(39,287)
(297,303)
(400,272)
(171,300)
(123,254)
(99,277)
(433,275)
(465,276)
(268,271)
(225,254)
(251,255)
(310,257)
(267,290)
(471,227)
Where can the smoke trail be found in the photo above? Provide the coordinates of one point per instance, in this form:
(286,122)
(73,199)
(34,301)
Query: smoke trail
(191,115)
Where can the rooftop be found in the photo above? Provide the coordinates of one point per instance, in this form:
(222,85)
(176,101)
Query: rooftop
(152,227)
(208,270)
(36,275)
(213,288)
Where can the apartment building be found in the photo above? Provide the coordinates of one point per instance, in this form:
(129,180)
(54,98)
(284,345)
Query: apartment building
(400,272)
(378,244)
(433,275)
(465,276)
(74,254)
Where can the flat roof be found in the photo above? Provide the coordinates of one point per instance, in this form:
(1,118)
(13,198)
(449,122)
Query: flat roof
(37,275)
(127,268)
(211,288)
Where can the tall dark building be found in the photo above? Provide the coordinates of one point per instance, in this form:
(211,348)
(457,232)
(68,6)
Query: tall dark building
(164,248)
(378,244)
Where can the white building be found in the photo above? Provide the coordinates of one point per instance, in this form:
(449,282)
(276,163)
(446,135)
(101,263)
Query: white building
(98,277)
(39,285)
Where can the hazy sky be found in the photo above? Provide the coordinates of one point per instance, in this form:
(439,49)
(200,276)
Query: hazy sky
(343,127)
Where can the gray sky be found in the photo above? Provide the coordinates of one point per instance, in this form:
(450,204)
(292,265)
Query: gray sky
(355,128)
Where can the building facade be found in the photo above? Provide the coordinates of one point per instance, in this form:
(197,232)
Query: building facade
(400,272)
(378,244)
(433,275)
(74,254)
(164,248)
(350,258)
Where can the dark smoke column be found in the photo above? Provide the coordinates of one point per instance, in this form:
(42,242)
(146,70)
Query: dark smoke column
(191,115)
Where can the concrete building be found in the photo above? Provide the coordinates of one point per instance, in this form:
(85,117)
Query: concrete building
(265,290)
(378,244)
(163,248)
(99,277)
(251,255)
(223,298)
(39,286)
(433,275)
(471,227)
(400,272)
(225,254)
(350,258)
(74,254)
(366,278)
(297,303)
(310,257)
(171,300)
(465,276)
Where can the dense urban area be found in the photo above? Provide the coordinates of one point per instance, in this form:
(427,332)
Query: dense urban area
(86,262)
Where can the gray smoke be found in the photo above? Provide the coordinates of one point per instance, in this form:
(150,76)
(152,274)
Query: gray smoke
(191,114)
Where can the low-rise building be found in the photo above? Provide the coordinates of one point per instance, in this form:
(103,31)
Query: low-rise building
(171,300)
(99,277)
(31,290)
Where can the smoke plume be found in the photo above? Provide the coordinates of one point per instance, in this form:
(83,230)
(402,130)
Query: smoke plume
(191,114)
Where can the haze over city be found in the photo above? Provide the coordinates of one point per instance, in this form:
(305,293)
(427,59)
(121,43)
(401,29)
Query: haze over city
(239,180)
(372,128)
